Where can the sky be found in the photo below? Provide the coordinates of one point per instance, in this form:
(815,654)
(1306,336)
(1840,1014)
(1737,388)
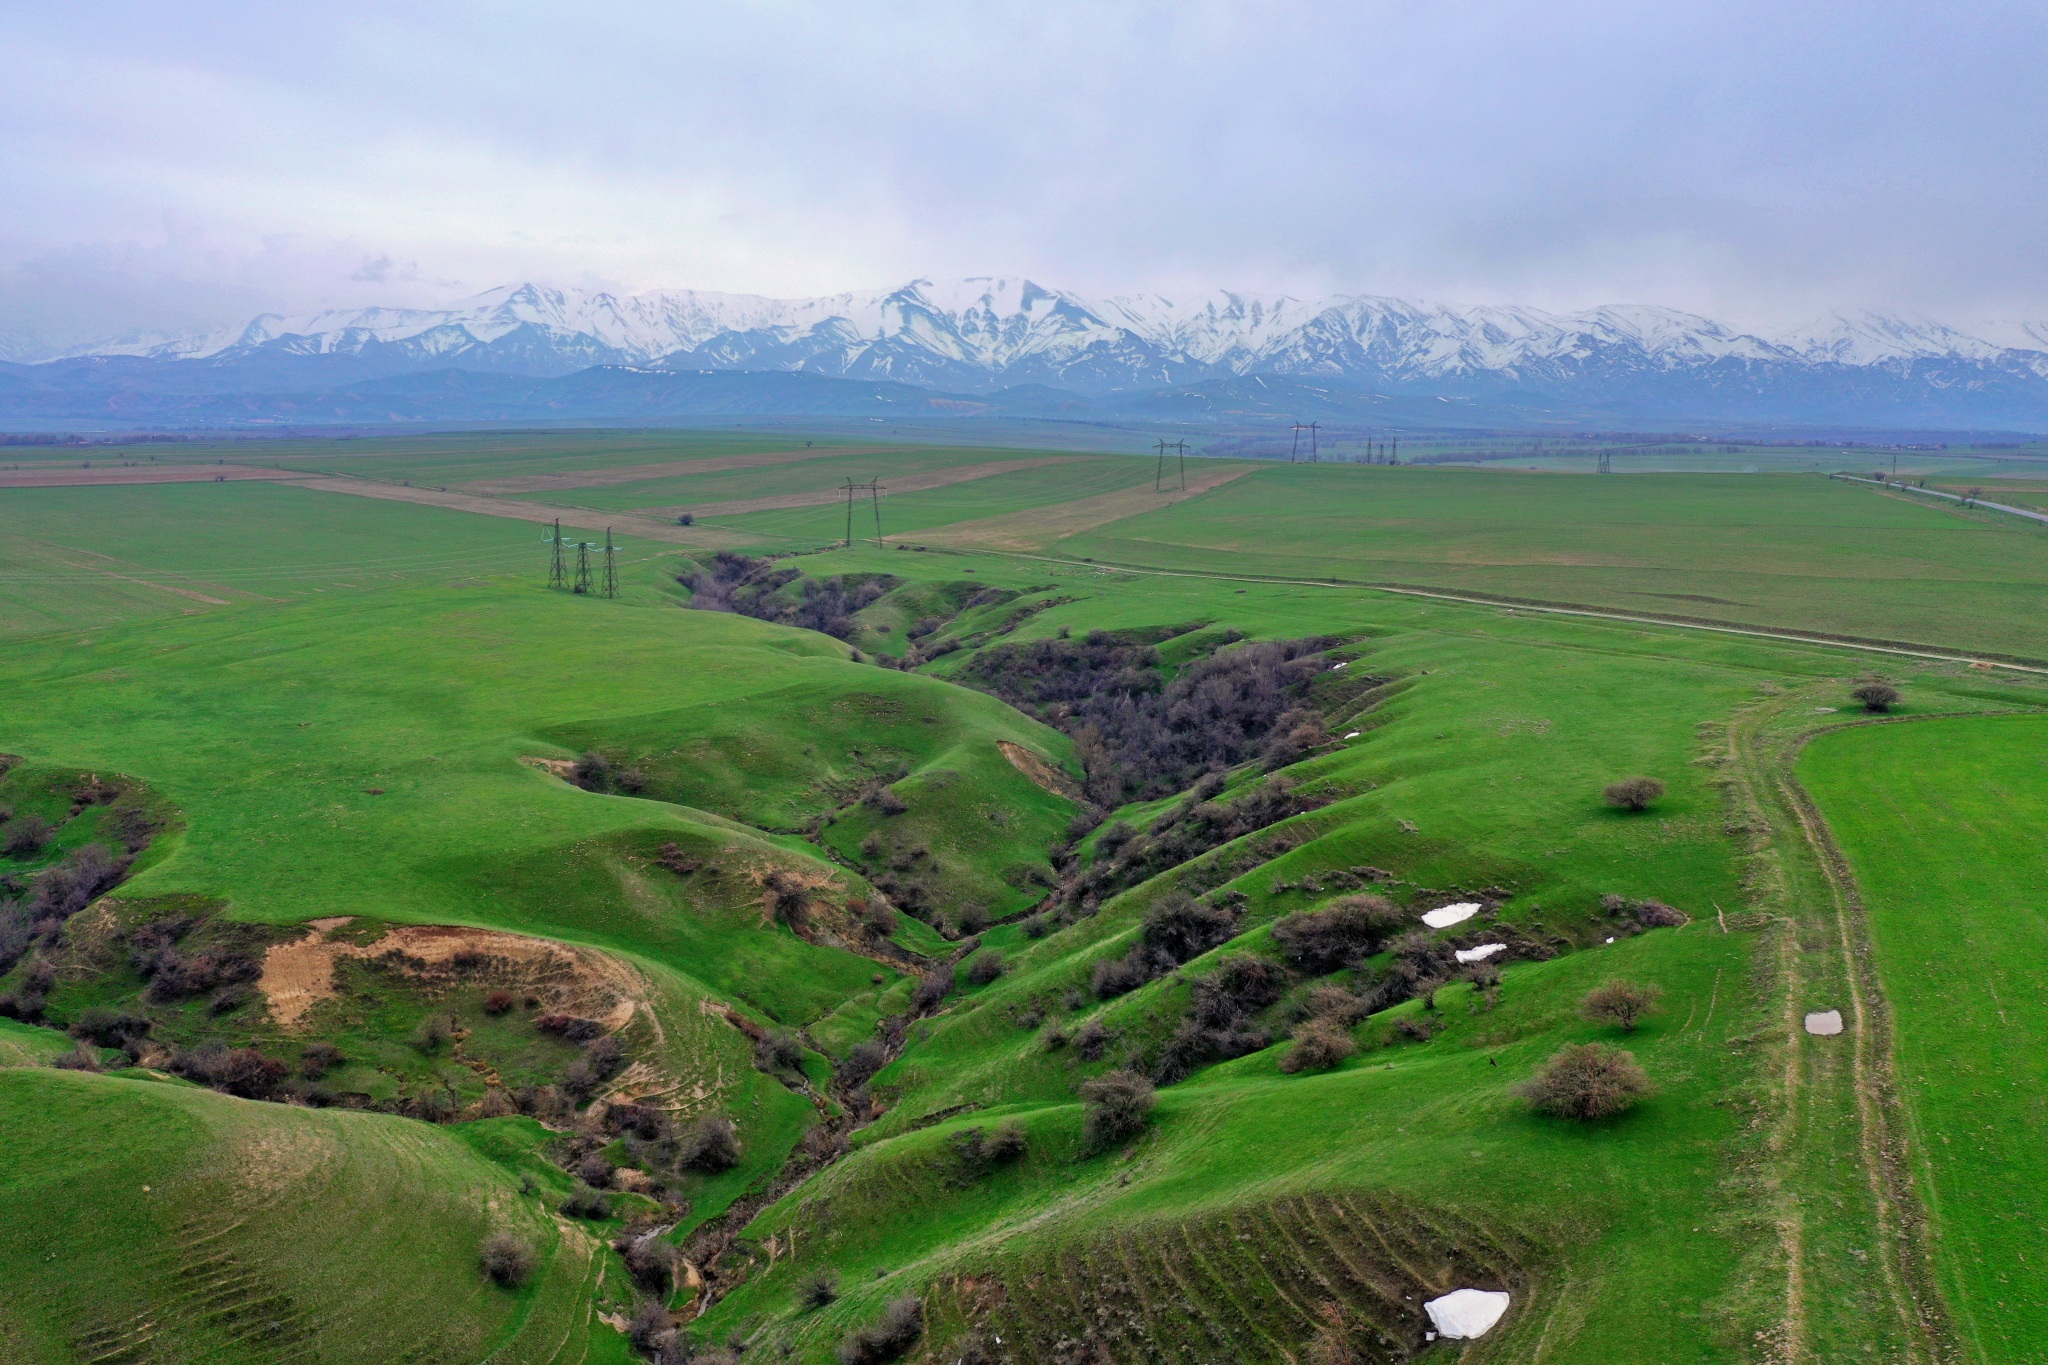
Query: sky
(165,167)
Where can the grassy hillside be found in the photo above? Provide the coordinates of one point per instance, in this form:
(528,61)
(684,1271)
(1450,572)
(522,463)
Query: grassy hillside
(150,1221)
(1937,821)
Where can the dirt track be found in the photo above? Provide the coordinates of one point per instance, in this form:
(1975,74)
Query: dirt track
(1038,527)
(667,469)
(819,497)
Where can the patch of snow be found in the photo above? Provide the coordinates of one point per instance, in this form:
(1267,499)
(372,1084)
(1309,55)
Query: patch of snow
(1824,1023)
(1335,667)
(1464,1314)
(1444,916)
(1610,940)
(1353,734)
(1481,953)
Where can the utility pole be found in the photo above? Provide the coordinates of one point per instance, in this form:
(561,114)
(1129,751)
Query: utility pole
(582,567)
(875,491)
(558,574)
(849,511)
(1159,470)
(1313,454)
(611,571)
(1606,465)
(1395,458)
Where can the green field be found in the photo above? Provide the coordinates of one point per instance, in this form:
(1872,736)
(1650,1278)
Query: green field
(1938,822)
(364,711)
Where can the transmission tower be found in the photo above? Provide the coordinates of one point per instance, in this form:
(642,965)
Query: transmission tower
(611,568)
(1180,448)
(582,567)
(558,574)
(874,489)
(1313,454)
(1606,464)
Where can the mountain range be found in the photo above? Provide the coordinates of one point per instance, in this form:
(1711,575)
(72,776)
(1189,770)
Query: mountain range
(1016,347)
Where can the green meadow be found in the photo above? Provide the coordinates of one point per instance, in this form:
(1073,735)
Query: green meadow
(374,714)
(1938,821)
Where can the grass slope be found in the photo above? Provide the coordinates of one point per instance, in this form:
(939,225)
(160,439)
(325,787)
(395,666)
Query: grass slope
(1938,822)
(161,1222)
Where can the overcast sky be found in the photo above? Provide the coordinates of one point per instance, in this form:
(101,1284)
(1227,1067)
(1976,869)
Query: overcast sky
(174,165)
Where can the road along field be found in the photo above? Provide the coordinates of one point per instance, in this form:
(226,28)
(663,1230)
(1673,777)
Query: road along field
(855,903)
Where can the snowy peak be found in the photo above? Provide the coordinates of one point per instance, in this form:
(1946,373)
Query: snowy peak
(990,331)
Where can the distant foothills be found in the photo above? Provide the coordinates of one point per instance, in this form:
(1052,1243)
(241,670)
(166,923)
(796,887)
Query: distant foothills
(1014,349)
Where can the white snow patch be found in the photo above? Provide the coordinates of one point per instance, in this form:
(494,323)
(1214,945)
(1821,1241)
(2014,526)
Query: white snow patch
(1353,734)
(1443,917)
(1481,953)
(1824,1023)
(1466,1313)
(1335,667)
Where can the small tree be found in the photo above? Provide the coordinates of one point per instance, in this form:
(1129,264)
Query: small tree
(506,1259)
(986,967)
(818,1290)
(26,836)
(1621,1002)
(1117,1105)
(1586,1081)
(1634,793)
(1876,695)
(888,1336)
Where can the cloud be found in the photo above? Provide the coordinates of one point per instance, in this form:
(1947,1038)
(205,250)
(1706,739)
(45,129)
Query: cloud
(1760,160)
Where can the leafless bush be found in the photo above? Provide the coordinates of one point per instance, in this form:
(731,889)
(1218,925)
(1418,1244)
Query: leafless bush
(1875,695)
(569,1027)
(887,1337)
(1318,1045)
(1117,1104)
(82,1057)
(1586,1081)
(27,835)
(1320,941)
(432,1033)
(1657,915)
(711,1144)
(860,1064)
(506,1259)
(650,1260)
(778,1050)
(320,1058)
(1620,1002)
(1093,1040)
(934,986)
(584,1202)
(1634,793)
(499,1002)
(986,966)
(818,1289)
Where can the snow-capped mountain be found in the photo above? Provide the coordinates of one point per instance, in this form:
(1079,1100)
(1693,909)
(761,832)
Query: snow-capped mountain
(985,334)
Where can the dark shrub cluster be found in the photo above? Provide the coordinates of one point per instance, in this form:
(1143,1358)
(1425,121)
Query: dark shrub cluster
(574,1028)
(1177,929)
(1187,832)
(1319,1044)
(26,836)
(886,1338)
(1634,793)
(176,973)
(602,1059)
(1140,735)
(1219,1025)
(711,1144)
(1339,934)
(239,1071)
(757,588)
(984,967)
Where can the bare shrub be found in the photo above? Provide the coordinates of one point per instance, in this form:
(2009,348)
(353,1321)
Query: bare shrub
(592,772)
(818,1289)
(1875,696)
(650,1260)
(244,1072)
(27,835)
(1621,1002)
(883,799)
(320,1058)
(978,1151)
(1658,915)
(650,1331)
(887,1337)
(1325,940)
(1318,1045)
(584,1202)
(569,1027)
(1093,1039)
(985,968)
(499,1002)
(109,1027)
(1038,926)
(595,1172)
(1054,1037)
(778,1050)
(862,1061)
(506,1259)
(1117,1104)
(1633,793)
(1586,1081)
(82,1057)
(711,1144)
(933,987)
(432,1033)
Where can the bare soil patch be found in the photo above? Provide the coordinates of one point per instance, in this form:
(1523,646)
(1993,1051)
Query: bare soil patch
(1038,770)
(300,974)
